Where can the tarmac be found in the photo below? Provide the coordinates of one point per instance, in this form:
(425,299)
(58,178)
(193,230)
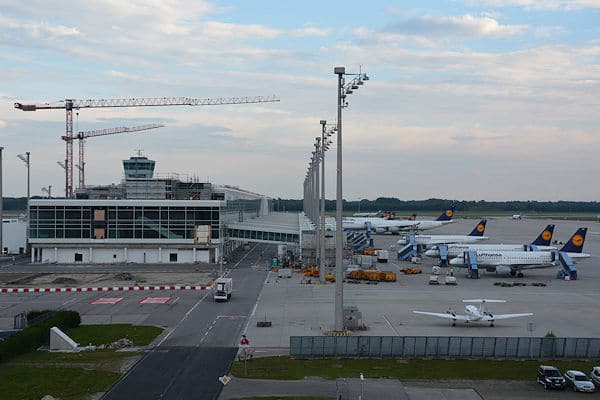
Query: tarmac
(566,308)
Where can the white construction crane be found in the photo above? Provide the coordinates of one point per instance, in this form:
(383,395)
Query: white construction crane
(72,104)
(102,132)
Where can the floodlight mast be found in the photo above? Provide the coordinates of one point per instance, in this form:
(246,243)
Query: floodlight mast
(72,104)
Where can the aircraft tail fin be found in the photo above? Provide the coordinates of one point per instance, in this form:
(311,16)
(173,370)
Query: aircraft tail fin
(413,217)
(479,228)
(575,244)
(545,237)
(446,215)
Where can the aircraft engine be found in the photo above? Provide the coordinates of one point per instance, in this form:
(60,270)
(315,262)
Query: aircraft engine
(503,270)
(394,229)
(380,230)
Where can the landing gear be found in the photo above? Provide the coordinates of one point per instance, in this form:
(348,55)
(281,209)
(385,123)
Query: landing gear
(453,322)
(513,272)
(492,324)
(520,275)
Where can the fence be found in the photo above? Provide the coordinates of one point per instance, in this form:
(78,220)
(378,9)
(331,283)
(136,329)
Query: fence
(444,347)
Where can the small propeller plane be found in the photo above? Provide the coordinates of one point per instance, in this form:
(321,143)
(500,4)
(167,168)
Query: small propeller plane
(474,314)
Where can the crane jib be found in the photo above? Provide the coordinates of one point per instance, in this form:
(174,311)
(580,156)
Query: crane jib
(152,101)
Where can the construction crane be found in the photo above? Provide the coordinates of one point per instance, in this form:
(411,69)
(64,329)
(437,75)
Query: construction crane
(102,132)
(72,104)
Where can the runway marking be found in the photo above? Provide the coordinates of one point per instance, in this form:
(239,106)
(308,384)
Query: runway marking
(107,300)
(155,300)
(68,302)
(391,326)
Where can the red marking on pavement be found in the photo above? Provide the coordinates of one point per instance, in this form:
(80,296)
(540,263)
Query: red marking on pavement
(155,300)
(107,300)
(102,289)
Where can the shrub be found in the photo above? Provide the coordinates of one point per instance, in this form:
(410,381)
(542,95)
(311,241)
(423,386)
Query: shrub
(550,334)
(37,335)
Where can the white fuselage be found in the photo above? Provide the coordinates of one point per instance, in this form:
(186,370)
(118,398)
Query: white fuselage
(457,250)
(516,258)
(443,239)
(473,313)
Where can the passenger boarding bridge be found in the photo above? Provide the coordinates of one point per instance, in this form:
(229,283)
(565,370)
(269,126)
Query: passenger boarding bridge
(274,228)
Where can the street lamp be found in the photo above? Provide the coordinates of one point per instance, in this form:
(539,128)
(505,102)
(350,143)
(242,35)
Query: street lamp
(343,90)
(25,159)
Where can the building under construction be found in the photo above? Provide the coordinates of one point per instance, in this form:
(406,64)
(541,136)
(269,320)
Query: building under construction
(144,219)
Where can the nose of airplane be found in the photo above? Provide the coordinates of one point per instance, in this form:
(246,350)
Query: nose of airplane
(432,253)
(457,261)
(401,241)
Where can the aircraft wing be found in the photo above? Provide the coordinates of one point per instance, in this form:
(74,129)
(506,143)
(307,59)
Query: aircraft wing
(444,315)
(495,317)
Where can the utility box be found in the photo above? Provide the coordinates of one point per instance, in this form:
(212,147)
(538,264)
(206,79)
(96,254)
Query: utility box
(353,319)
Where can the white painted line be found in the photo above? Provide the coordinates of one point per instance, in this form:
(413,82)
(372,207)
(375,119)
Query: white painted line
(391,326)
(187,314)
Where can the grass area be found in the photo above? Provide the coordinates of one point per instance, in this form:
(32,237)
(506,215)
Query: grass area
(104,334)
(73,376)
(104,360)
(26,382)
(286,368)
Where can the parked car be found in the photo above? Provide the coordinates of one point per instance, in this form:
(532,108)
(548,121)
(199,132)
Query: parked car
(595,375)
(579,381)
(550,378)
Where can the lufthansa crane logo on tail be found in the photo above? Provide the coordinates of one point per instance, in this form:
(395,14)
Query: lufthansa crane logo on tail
(449,213)
(480,228)
(546,235)
(577,240)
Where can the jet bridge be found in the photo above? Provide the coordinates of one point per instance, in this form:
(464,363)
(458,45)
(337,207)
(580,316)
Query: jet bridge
(274,228)
(568,267)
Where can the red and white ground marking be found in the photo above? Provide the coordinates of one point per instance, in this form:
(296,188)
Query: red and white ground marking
(107,300)
(155,300)
(103,289)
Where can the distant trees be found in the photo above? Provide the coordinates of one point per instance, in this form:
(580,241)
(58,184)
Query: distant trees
(394,204)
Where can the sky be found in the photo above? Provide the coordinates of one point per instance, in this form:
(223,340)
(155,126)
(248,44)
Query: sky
(467,100)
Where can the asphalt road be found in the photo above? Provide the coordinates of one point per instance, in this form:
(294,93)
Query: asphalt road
(190,357)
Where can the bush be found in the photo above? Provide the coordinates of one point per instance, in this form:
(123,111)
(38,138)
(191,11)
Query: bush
(550,334)
(37,335)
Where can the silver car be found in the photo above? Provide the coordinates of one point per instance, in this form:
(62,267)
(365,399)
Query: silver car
(595,375)
(579,381)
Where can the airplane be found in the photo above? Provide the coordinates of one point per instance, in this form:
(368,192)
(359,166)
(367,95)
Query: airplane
(541,243)
(368,214)
(475,235)
(474,314)
(380,225)
(514,262)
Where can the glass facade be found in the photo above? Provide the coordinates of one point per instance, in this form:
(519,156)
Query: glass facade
(262,235)
(121,221)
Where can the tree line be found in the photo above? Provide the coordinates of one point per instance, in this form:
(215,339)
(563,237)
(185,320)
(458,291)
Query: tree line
(394,204)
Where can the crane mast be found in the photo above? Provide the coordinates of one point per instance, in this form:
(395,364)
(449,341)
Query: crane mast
(69,104)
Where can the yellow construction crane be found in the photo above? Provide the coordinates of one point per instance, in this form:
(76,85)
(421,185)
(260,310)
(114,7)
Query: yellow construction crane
(72,104)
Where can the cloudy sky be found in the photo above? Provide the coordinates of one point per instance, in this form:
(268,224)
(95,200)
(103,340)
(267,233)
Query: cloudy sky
(492,99)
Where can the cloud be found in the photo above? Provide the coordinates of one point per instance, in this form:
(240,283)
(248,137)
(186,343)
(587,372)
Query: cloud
(540,4)
(463,26)
(310,31)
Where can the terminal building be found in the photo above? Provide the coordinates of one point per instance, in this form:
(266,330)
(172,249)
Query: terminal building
(153,219)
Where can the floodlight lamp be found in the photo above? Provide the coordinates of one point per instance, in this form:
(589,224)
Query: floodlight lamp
(354,87)
(365,77)
(349,91)
(322,122)
(22,157)
(339,70)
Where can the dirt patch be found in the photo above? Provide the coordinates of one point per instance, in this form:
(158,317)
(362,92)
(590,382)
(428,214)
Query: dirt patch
(64,280)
